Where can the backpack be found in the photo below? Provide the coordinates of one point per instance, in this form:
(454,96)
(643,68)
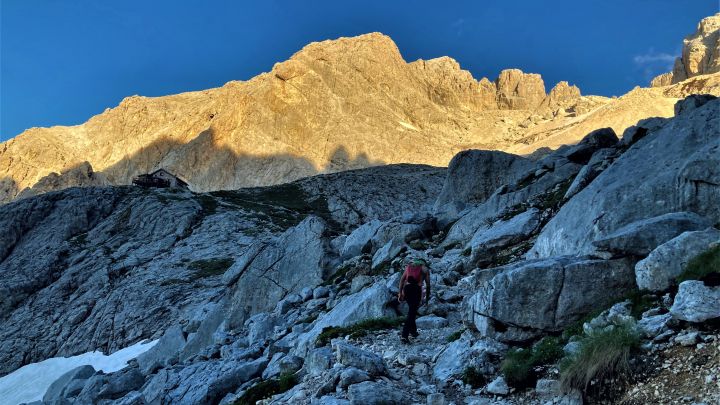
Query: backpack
(414,273)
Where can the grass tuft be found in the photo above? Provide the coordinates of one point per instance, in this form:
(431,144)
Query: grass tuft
(455,335)
(519,365)
(603,354)
(268,388)
(702,265)
(359,329)
(210,267)
(474,378)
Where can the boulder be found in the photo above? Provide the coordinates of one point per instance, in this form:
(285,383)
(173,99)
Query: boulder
(56,390)
(674,169)
(298,258)
(456,357)
(657,271)
(696,302)
(599,161)
(201,382)
(431,322)
(370,302)
(498,386)
(164,352)
(502,234)
(358,242)
(351,356)
(319,360)
(352,375)
(474,175)
(377,393)
(203,337)
(387,253)
(592,142)
(546,295)
(641,237)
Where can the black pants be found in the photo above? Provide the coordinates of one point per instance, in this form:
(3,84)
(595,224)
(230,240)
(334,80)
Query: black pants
(413,294)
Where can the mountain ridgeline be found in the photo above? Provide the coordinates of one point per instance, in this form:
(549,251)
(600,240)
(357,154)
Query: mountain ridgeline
(583,272)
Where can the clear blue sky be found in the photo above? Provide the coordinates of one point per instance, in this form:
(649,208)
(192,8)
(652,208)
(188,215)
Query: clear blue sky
(63,61)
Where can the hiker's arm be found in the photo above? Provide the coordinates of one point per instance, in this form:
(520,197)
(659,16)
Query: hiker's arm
(402,286)
(427,286)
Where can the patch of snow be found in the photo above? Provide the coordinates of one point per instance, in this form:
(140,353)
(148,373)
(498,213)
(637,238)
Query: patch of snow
(408,126)
(29,383)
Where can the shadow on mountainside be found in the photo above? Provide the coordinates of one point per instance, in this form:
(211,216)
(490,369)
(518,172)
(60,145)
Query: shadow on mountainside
(204,164)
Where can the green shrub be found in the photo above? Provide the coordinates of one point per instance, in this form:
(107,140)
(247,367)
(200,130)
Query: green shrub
(602,354)
(210,267)
(466,252)
(266,389)
(702,265)
(518,368)
(359,329)
(473,377)
(455,335)
(208,204)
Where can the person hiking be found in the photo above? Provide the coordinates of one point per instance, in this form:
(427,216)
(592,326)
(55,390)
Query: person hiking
(411,291)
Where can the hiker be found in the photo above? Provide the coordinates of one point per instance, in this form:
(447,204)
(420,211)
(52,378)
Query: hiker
(411,291)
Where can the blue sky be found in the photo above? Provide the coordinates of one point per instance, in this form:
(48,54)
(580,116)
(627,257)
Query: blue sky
(62,61)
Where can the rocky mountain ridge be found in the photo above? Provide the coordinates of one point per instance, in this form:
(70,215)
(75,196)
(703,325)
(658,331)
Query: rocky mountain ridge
(334,105)
(241,287)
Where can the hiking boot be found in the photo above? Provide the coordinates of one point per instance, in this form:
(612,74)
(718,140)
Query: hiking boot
(414,334)
(404,340)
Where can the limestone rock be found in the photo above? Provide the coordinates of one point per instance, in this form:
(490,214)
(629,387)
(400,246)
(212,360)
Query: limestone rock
(641,237)
(473,175)
(546,294)
(696,302)
(657,271)
(58,387)
(518,90)
(351,356)
(164,352)
(376,393)
(672,170)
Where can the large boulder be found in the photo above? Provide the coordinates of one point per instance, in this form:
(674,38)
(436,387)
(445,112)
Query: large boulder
(592,142)
(473,175)
(673,169)
(460,354)
(202,382)
(58,389)
(164,353)
(351,356)
(546,295)
(377,393)
(641,237)
(503,233)
(657,271)
(358,241)
(297,259)
(368,303)
(696,302)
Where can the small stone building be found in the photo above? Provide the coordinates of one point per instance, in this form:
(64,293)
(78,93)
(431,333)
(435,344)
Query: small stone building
(159,178)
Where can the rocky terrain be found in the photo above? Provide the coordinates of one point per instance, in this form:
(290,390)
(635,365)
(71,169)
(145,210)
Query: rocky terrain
(285,294)
(586,273)
(334,105)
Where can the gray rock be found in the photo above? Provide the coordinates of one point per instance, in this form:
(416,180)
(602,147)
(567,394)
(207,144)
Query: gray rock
(131,398)
(652,326)
(319,360)
(641,237)
(298,258)
(592,142)
(548,388)
(200,383)
(358,242)
(436,399)
(321,292)
(695,302)
(687,339)
(503,233)
(657,271)
(599,161)
(164,353)
(204,335)
(473,175)
(368,303)
(352,375)
(261,326)
(547,294)
(498,386)
(674,169)
(328,400)
(306,293)
(387,253)
(376,393)
(57,388)
(453,360)
(360,282)
(431,322)
(351,356)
